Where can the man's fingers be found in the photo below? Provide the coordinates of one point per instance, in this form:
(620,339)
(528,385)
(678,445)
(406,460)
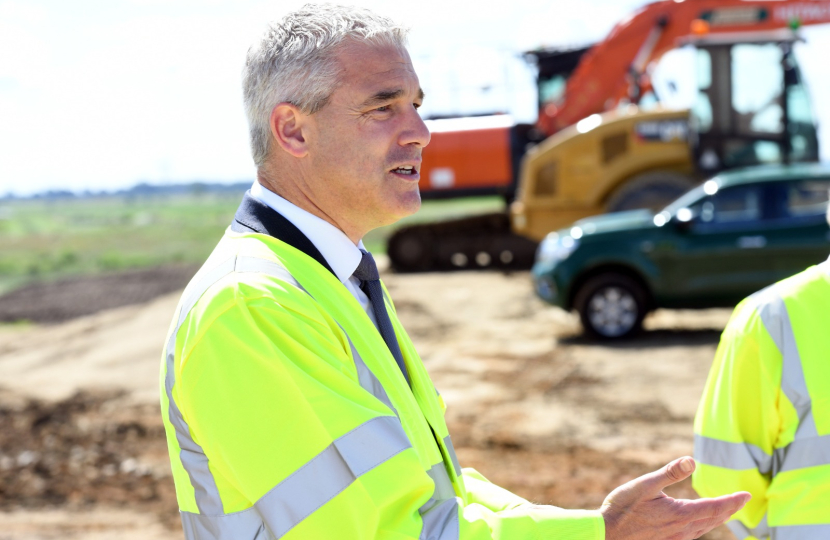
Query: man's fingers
(698,528)
(703,515)
(710,513)
(725,505)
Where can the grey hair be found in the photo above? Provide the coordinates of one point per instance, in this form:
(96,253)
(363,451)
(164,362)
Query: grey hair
(296,62)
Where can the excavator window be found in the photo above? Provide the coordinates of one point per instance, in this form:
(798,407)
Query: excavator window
(743,153)
(802,133)
(758,86)
(553,89)
(751,107)
(702,108)
(674,78)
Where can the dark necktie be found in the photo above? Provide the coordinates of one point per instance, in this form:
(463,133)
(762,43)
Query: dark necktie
(367,273)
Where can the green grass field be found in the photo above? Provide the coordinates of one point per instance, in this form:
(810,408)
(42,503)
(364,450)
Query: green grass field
(49,239)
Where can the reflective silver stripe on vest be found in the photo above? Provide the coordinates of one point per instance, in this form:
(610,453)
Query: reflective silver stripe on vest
(441,522)
(256,265)
(741,531)
(443,487)
(243,525)
(368,381)
(773,313)
(729,455)
(803,453)
(192,456)
(330,472)
(801,532)
(211,276)
(366,378)
(453,457)
(311,486)
(807,449)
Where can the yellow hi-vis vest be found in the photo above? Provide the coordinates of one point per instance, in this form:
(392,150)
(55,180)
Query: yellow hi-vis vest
(763,424)
(287,417)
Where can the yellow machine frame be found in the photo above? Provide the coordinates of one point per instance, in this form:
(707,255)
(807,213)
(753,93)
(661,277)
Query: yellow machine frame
(576,172)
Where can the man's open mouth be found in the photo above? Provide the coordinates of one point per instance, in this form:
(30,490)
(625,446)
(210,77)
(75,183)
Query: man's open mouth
(405,170)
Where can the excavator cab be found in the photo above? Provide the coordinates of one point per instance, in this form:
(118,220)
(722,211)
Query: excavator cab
(553,68)
(752,107)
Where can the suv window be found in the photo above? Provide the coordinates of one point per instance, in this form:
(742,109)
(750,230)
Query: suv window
(807,198)
(728,207)
(799,202)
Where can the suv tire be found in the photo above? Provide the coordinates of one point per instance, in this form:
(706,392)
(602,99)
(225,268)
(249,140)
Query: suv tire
(611,306)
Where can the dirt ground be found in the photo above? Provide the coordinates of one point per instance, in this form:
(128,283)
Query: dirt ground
(532,404)
(69,298)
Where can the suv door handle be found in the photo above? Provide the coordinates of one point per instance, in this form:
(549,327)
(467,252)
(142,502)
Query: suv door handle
(752,242)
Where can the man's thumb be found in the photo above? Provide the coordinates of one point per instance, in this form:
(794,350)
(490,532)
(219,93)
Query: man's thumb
(650,485)
(678,470)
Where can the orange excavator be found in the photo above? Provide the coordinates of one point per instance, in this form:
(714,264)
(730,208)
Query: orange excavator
(599,146)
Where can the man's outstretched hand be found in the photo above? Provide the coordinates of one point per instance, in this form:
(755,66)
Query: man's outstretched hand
(639,510)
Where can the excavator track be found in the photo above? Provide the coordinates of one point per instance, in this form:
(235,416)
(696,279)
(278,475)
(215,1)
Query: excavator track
(478,242)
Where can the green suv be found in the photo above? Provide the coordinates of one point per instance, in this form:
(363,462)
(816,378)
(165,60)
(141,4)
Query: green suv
(733,235)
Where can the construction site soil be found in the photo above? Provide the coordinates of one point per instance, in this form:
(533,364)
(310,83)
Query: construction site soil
(69,298)
(532,404)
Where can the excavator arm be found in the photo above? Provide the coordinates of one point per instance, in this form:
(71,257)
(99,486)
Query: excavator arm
(616,69)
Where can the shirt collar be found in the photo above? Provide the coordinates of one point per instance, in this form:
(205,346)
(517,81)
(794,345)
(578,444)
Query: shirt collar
(340,252)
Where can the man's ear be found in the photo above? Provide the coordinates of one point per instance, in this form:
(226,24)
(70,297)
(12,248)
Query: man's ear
(288,124)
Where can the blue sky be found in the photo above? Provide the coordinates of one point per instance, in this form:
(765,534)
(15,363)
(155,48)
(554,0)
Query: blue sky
(104,94)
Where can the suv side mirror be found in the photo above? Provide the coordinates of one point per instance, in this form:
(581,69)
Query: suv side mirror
(682,220)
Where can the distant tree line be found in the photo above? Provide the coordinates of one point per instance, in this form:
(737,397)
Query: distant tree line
(142,189)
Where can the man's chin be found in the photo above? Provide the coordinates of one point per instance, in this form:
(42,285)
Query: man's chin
(410,202)
(405,205)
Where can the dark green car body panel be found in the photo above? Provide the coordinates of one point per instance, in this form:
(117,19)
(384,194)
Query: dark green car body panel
(776,231)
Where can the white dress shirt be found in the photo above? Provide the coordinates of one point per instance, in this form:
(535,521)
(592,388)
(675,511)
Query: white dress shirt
(332,243)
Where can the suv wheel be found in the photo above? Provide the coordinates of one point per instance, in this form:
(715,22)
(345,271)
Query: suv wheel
(611,306)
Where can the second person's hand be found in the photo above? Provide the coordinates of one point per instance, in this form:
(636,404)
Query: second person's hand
(639,510)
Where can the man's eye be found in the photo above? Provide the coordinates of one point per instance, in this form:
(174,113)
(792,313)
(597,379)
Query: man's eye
(383,108)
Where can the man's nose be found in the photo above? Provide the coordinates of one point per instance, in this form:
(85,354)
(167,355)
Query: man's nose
(415,131)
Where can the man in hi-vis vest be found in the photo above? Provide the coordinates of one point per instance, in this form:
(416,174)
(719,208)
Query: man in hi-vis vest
(294,403)
(763,424)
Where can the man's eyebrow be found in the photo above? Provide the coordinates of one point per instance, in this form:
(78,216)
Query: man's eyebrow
(389,95)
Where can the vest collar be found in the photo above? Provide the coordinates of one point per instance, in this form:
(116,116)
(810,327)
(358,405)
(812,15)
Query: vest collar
(255,216)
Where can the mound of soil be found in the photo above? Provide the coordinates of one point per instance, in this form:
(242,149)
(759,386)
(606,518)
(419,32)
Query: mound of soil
(94,451)
(84,451)
(69,298)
